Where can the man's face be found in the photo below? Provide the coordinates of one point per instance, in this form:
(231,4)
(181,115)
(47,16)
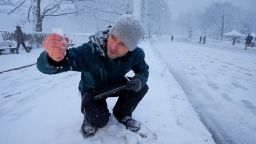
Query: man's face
(116,48)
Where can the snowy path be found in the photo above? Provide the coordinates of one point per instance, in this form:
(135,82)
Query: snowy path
(38,108)
(220,81)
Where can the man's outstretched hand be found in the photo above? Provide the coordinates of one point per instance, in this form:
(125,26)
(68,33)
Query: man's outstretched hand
(56,46)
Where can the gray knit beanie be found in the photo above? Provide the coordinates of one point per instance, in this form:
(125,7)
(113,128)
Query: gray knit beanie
(129,30)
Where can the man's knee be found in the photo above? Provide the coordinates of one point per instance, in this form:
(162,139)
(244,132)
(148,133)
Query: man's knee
(96,112)
(99,120)
(143,91)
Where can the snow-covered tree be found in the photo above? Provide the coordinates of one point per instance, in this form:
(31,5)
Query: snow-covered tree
(224,17)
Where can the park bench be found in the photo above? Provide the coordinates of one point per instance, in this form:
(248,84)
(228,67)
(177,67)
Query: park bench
(7,47)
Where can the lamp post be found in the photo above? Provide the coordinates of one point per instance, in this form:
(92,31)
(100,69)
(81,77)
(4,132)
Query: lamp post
(137,6)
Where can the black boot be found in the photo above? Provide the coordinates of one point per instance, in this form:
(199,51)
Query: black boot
(87,129)
(131,124)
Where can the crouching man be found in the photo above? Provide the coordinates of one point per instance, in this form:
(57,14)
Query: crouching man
(103,63)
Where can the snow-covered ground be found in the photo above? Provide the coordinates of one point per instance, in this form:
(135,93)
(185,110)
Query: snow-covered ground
(218,80)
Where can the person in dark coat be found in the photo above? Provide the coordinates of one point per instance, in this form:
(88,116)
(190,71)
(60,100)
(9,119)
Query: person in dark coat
(234,40)
(19,37)
(204,39)
(248,41)
(172,38)
(103,63)
(200,39)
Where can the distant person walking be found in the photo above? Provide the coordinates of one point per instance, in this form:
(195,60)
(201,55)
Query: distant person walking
(233,40)
(200,39)
(18,34)
(248,41)
(172,38)
(204,39)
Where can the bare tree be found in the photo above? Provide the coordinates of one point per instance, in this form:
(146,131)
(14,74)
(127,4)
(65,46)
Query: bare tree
(52,8)
(189,27)
(219,17)
(37,10)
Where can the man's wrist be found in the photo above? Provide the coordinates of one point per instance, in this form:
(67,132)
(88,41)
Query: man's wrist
(55,63)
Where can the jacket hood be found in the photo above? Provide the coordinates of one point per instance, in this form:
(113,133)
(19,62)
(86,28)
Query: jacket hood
(99,41)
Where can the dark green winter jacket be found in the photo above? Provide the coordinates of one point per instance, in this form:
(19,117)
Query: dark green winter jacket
(99,73)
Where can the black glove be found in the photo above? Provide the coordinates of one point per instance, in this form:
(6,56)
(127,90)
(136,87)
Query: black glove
(134,84)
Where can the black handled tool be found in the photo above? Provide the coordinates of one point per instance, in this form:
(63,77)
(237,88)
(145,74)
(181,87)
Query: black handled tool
(106,94)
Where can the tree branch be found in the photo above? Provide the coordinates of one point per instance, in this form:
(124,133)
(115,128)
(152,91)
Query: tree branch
(16,7)
(67,13)
(49,9)
(29,10)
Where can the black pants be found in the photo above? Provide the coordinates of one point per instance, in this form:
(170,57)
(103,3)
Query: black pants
(24,46)
(97,113)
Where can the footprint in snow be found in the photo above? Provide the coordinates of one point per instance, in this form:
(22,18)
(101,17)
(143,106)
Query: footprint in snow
(249,106)
(226,96)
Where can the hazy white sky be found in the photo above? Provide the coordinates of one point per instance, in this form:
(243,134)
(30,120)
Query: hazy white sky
(185,6)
